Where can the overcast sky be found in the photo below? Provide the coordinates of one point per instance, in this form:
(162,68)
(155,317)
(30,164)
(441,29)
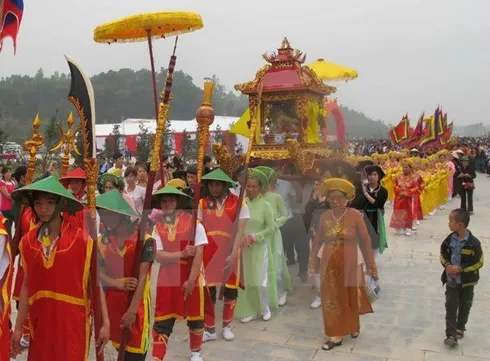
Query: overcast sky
(411,55)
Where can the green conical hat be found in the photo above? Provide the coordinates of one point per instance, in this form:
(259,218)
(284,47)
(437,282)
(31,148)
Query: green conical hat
(170,190)
(114,201)
(219,175)
(268,171)
(254,173)
(48,185)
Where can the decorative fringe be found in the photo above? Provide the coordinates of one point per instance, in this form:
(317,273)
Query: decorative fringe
(134,28)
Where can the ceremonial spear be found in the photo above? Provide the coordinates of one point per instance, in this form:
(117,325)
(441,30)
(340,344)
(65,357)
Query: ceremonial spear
(31,146)
(145,27)
(81,95)
(254,114)
(67,141)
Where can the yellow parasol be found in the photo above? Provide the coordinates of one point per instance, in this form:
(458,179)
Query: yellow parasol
(325,70)
(136,28)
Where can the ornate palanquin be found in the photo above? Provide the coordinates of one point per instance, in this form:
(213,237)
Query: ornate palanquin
(289,115)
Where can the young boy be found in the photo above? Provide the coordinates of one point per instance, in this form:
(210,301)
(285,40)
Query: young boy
(461,257)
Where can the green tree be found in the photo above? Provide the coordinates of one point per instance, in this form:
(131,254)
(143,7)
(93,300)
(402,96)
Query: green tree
(51,138)
(78,159)
(189,148)
(143,146)
(167,141)
(218,136)
(113,142)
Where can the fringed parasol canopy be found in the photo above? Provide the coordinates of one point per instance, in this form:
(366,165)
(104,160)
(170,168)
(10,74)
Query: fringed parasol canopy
(136,28)
(325,70)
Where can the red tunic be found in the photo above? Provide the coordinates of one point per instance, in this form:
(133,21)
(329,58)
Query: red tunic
(219,224)
(118,263)
(171,277)
(27,222)
(59,305)
(5,287)
(405,190)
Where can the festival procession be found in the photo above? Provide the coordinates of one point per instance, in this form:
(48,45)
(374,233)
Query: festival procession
(113,254)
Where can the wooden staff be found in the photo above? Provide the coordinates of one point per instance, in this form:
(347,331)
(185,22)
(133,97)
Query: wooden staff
(155,163)
(253,129)
(67,141)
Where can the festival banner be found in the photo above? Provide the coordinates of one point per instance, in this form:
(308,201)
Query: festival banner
(10,18)
(400,132)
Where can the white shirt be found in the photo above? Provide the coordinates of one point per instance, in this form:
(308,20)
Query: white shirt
(47,251)
(199,239)
(244,211)
(138,196)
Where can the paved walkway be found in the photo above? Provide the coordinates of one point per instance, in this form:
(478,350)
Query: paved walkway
(408,323)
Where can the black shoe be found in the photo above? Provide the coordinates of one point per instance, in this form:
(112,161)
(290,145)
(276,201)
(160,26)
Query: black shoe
(451,341)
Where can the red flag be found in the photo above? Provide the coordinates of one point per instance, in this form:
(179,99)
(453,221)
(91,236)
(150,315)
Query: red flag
(401,131)
(10,19)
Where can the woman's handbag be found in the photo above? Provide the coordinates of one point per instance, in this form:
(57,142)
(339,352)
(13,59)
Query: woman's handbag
(372,289)
(468,186)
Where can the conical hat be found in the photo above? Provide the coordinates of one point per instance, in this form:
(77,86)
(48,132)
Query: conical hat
(114,201)
(218,175)
(48,185)
(170,190)
(254,173)
(268,171)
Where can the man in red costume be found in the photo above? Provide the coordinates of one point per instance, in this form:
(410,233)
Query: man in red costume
(55,292)
(6,273)
(222,255)
(117,250)
(180,290)
(74,181)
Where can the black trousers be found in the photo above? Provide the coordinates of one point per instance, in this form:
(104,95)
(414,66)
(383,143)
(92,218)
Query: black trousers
(294,237)
(467,196)
(166,327)
(129,356)
(229,293)
(458,304)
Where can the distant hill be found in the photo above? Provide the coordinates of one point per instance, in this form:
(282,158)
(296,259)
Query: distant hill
(126,93)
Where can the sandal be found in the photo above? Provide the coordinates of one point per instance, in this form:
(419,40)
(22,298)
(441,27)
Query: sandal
(459,334)
(354,334)
(327,346)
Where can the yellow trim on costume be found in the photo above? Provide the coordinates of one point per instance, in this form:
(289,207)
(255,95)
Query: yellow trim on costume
(56,296)
(219,233)
(145,335)
(443,261)
(476,266)
(469,252)
(86,275)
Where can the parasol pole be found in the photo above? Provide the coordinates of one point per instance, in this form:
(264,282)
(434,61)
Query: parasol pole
(251,141)
(204,118)
(67,141)
(161,113)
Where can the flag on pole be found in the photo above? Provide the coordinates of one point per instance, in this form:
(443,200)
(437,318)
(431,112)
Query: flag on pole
(11,12)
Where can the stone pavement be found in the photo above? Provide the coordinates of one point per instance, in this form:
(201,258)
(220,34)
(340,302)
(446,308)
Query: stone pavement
(408,323)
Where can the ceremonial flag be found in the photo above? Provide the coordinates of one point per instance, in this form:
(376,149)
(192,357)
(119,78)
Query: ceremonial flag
(10,18)
(431,130)
(416,133)
(401,131)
